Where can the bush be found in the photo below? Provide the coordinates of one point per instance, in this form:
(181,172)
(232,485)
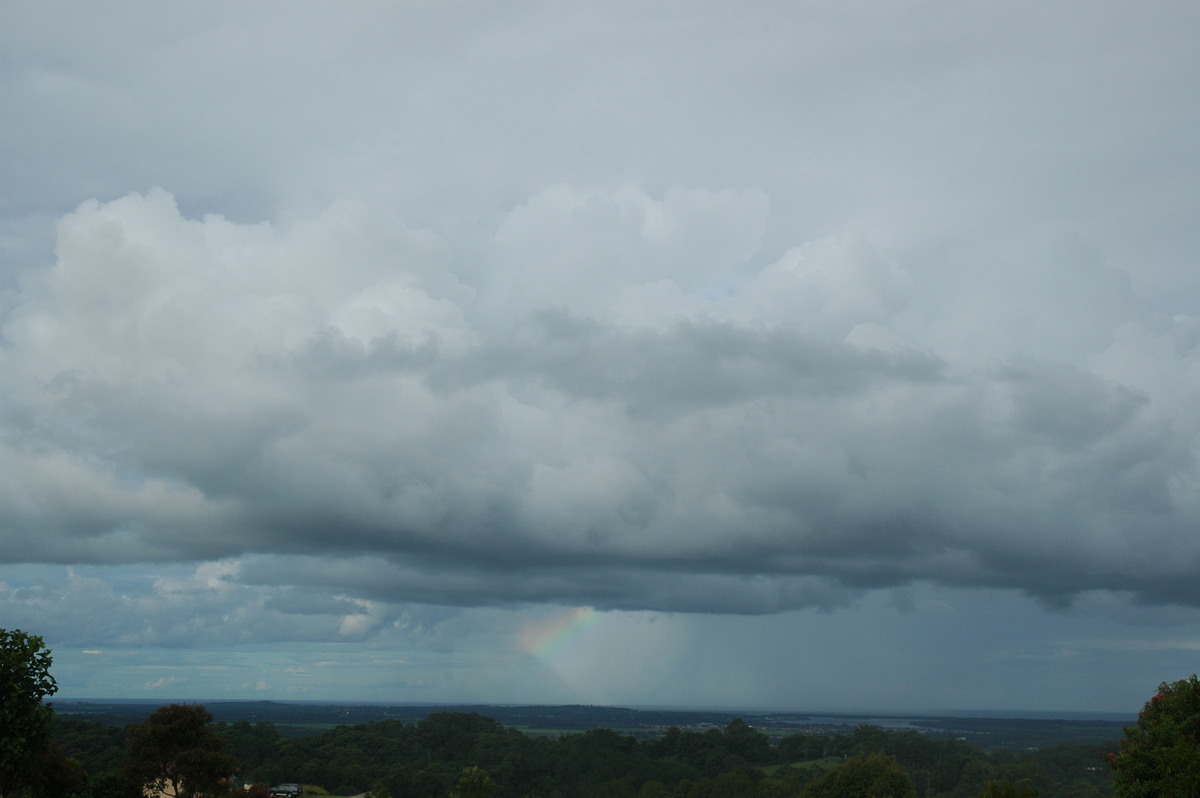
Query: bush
(1160,754)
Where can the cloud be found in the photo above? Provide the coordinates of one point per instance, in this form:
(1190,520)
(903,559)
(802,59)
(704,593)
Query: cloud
(335,393)
(449,317)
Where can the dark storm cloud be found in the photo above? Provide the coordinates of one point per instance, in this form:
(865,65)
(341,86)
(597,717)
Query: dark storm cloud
(619,586)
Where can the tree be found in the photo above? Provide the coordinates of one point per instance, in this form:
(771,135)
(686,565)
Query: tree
(1012,789)
(874,776)
(474,783)
(25,720)
(176,752)
(379,790)
(654,789)
(1160,755)
(747,742)
(110,784)
(57,774)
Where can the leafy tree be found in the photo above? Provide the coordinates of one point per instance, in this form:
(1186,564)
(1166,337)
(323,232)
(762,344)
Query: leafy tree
(733,784)
(111,784)
(379,790)
(745,741)
(450,735)
(474,783)
(253,746)
(654,789)
(57,774)
(874,776)
(25,721)
(1010,789)
(176,752)
(1160,755)
(97,747)
(613,788)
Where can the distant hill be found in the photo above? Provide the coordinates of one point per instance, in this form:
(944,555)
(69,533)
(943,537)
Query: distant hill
(986,732)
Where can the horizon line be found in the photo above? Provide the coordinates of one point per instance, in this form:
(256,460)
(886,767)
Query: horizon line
(1032,714)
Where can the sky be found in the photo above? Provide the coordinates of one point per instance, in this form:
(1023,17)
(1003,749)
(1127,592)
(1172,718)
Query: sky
(784,354)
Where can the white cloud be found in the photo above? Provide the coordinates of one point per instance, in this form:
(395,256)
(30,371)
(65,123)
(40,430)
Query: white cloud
(240,389)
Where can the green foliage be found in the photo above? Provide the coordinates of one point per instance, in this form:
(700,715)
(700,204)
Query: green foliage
(474,783)
(1060,771)
(98,748)
(25,720)
(1011,789)
(255,747)
(111,784)
(428,760)
(873,776)
(713,752)
(1160,755)
(176,751)
(741,739)
(654,789)
(379,790)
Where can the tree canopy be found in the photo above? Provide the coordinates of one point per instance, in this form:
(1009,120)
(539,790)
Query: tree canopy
(474,783)
(429,759)
(874,776)
(25,718)
(1160,755)
(177,753)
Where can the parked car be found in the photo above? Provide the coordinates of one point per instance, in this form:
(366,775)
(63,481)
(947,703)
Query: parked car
(287,791)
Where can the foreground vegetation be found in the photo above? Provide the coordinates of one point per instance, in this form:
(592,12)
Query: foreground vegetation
(427,760)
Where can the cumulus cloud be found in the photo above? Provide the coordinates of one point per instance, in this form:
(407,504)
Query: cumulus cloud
(166,681)
(678,430)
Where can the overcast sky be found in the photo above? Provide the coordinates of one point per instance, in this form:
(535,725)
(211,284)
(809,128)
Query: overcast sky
(804,354)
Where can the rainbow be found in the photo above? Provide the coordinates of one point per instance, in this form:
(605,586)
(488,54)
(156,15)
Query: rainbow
(549,638)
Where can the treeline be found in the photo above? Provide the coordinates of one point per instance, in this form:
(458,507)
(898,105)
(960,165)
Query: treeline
(426,760)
